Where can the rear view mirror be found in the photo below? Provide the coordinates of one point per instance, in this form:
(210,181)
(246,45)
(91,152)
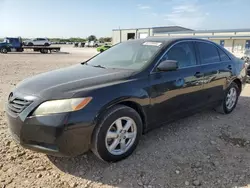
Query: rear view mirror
(168,65)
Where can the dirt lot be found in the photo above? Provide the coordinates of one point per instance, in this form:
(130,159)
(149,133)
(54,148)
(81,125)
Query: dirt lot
(205,150)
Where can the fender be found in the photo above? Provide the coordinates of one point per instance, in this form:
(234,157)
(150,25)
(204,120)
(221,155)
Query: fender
(142,105)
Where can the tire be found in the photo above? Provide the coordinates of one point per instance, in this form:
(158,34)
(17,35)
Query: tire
(100,143)
(30,44)
(4,50)
(223,108)
(46,44)
(45,51)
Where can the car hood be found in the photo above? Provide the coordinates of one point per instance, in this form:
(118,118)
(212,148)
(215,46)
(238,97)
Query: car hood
(65,82)
(2,43)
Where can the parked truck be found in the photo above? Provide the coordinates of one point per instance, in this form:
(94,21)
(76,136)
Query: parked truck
(16,45)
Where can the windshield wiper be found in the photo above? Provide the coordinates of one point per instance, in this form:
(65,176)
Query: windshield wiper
(99,66)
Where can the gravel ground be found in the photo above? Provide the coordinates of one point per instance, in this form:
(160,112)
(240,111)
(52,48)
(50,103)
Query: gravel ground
(204,150)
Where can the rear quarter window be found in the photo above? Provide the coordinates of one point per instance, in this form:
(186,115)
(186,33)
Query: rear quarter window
(223,55)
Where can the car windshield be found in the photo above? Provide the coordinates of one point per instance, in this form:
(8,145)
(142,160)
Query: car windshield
(129,55)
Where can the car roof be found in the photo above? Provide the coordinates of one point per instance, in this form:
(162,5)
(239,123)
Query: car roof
(167,40)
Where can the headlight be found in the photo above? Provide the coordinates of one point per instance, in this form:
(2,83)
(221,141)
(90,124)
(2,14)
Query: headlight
(59,106)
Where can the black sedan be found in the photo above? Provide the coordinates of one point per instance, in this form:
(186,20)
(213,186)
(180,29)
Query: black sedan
(106,103)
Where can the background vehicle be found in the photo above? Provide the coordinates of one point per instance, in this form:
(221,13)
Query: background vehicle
(92,44)
(95,44)
(86,44)
(37,42)
(103,48)
(246,56)
(16,45)
(106,103)
(81,44)
(11,44)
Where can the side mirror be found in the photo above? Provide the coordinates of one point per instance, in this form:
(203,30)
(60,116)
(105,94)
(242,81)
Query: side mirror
(168,65)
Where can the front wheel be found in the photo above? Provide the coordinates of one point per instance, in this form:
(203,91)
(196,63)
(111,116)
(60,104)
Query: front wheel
(117,134)
(3,50)
(230,99)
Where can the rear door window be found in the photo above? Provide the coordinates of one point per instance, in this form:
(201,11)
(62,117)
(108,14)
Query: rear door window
(208,52)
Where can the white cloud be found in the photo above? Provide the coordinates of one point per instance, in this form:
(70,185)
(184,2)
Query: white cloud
(186,13)
(143,7)
(154,14)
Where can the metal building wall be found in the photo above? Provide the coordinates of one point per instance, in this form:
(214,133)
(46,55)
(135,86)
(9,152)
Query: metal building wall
(121,35)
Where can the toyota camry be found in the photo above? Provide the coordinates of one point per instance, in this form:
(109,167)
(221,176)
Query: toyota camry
(106,103)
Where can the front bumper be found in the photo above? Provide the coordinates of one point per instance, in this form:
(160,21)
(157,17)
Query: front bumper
(64,134)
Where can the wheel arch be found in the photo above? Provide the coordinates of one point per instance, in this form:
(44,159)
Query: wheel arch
(238,82)
(129,103)
(138,108)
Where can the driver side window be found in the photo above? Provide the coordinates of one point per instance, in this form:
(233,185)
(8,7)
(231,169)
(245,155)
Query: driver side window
(182,52)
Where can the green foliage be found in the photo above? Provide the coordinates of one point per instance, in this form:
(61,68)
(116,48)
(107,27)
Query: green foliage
(105,39)
(92,38)
(67,40)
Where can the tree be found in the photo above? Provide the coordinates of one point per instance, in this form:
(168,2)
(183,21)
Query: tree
(107,39)
(92,38)
(101,40)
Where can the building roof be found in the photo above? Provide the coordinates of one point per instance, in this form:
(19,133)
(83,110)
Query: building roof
(168,28)
(165,39)
(209,37)
(212,31)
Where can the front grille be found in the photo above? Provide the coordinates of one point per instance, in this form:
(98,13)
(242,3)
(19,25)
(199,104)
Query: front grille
(17,105)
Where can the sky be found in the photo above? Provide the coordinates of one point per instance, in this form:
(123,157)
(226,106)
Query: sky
(81,18)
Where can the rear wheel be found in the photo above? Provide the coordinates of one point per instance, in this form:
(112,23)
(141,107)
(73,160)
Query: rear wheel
(117,134)
(46,44)
(230,99)
(44,51)
(30,44)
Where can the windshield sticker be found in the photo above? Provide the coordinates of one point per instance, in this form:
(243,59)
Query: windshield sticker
(152,43)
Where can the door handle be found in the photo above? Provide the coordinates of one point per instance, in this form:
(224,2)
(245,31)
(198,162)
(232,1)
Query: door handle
(229,67)
(198,74)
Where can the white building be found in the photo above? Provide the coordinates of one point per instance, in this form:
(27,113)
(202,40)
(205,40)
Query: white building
(120,35)
(234,40)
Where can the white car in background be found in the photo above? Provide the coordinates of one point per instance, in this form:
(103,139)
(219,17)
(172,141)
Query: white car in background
(95,44)
(37,42)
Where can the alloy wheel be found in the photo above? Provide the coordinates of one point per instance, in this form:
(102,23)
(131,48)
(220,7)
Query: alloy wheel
(231,98)
(121,135)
